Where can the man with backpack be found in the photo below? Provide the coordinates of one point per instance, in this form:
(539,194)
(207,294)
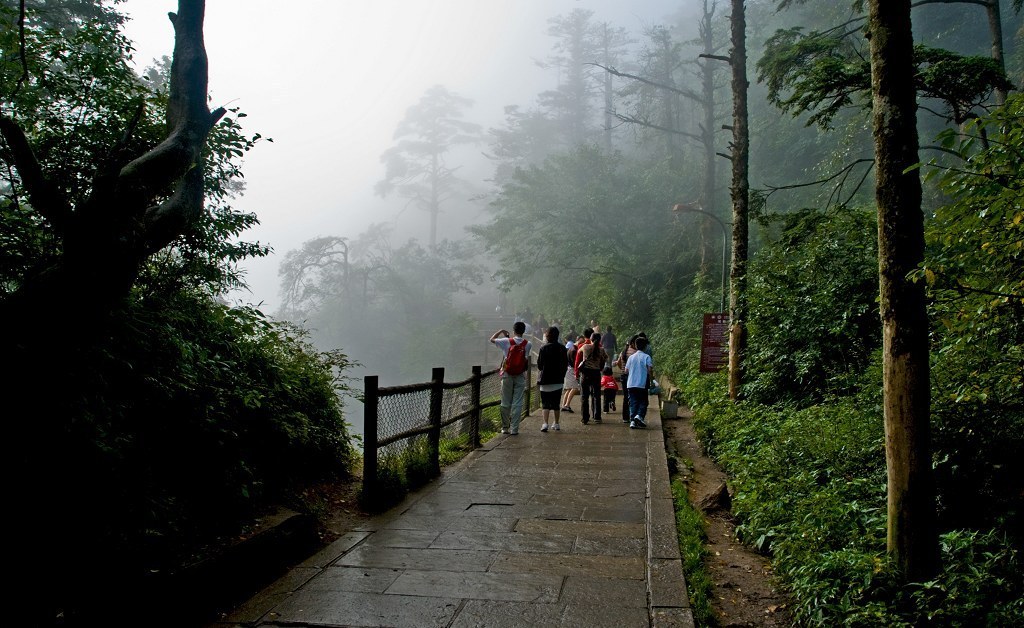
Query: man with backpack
(516,351)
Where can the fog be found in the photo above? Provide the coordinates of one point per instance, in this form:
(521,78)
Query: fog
(329,81)
(332,82)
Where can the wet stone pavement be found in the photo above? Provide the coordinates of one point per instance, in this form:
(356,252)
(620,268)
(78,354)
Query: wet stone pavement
(569,528)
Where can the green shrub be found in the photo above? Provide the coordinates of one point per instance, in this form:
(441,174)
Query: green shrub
(809,488)
(813,320)
(194,418)
(692,535)
(981,583)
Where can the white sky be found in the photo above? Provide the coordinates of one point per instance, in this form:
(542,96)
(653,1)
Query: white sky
(329,80)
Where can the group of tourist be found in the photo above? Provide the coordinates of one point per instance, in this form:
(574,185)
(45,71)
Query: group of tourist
(582,365)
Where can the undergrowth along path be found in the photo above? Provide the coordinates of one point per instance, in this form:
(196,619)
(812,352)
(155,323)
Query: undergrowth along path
(744,591)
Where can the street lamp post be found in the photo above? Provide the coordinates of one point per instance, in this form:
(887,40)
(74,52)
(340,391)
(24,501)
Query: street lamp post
(695,207)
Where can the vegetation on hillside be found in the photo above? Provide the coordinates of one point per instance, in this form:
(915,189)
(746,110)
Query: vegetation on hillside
(148,419)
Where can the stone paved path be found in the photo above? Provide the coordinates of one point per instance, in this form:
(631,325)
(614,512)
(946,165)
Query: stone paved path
(569,528)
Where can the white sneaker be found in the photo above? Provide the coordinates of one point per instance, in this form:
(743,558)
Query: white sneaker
(558,428)
(544,427)
(639,422)
(633,425)
(504,431)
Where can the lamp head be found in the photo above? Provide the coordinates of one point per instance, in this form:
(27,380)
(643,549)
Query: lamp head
(686,207)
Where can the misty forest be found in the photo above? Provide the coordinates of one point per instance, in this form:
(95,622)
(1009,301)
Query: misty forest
(847,185)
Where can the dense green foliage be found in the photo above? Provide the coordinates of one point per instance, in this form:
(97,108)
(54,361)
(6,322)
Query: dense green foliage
(172,419)
(692,544)
(816,322)
(805,449)
(809,487)
(193,417)
(821,74)
(594,236)
(805,452)
(975,268)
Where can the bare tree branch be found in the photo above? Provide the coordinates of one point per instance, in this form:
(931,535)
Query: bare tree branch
(634,120)
(716,57)
(842,174)
(857,187)
(839,173)
(46,198)
(943,149)
(980,3)
(646,81)
(962,287)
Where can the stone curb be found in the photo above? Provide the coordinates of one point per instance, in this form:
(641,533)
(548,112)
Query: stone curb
(668,598)
(286,538)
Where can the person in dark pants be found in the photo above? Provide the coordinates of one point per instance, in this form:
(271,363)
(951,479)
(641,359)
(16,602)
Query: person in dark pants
(594,358)
(609,342)
(640,369)
(627,351)
(552,362)
(608,388)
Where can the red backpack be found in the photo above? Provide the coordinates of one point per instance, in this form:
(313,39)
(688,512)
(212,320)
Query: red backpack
(516,361)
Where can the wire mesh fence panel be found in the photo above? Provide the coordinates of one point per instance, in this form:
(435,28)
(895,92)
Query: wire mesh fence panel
(418,428)
(455,432)
(490,393)
(534,397)
(398,414)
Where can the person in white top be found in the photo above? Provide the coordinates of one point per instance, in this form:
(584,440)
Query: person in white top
(639,371)
(513,383)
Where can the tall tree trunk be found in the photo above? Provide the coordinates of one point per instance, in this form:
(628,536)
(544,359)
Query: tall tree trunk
(108,236)
(435,198)
(995,26)
(63,314)
(707,134)
(608,93)
(911,503)
(740,199)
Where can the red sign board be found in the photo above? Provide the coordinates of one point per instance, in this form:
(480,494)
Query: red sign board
(714,343)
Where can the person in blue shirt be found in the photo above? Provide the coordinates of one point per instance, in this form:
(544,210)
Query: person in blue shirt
(639,371)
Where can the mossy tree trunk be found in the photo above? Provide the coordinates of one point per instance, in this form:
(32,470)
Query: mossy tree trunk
(740,193)
(911,503)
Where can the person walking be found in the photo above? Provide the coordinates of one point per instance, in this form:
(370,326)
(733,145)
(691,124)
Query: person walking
(552,363)
(620,362)
(640,370)
(572,380)
(608,388)
(516,350)
(593,360)
(609,342)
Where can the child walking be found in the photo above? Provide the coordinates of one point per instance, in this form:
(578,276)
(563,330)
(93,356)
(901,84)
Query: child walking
(608,387)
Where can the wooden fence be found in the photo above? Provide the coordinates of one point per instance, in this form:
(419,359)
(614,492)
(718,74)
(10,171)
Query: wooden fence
(430,418)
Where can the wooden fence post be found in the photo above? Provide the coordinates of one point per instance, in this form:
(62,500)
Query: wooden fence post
(474,420)
(370,402)
(436,399)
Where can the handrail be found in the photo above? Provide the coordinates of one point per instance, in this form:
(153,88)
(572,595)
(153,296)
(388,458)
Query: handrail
(469,415)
